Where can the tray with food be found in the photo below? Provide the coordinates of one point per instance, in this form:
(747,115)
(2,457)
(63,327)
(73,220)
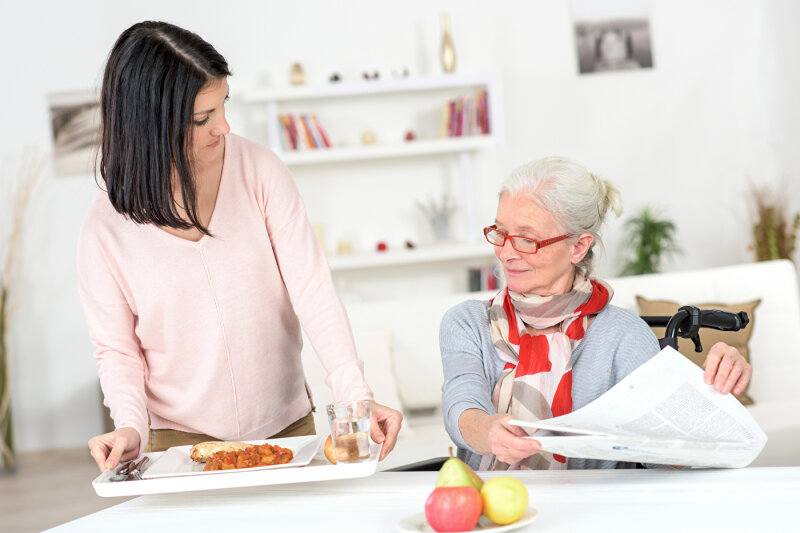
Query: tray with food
(220,465)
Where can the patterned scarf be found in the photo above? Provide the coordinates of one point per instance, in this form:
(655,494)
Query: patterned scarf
(536,382)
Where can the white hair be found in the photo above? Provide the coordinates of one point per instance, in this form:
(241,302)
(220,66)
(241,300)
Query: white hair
(577,199)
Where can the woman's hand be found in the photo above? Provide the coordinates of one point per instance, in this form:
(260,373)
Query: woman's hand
(508,442)
(110,449)
(726,369)
(487,433)
(384,426)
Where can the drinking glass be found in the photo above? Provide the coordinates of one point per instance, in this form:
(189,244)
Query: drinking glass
(350,431)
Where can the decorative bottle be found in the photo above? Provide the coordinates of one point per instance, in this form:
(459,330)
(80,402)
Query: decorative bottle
(448,51)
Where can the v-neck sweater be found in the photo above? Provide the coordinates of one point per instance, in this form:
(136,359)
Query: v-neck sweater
(205,336)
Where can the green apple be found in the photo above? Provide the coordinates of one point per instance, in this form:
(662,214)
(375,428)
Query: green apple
(456,473)
(505,499)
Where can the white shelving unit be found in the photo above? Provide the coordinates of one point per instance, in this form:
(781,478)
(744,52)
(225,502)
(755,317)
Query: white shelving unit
(462,148)
(450,145)
(425,254)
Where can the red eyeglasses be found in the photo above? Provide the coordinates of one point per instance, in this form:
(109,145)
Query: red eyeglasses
(524,245)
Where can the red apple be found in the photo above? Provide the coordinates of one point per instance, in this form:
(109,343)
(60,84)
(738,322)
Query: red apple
(453,508)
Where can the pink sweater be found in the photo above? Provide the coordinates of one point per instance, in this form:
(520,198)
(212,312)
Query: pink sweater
(204,336)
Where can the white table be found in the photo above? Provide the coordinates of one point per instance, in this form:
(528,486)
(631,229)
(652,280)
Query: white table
(751,500)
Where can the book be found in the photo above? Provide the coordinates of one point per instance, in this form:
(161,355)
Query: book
(316,139)
(303,134)
(483,101)
(451,125)
(465,115)
(460,116)
(290,141)
(295,133)
(444,127)
(326,141)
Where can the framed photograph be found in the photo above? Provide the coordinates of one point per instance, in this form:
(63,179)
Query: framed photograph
(75,121)
(612,35)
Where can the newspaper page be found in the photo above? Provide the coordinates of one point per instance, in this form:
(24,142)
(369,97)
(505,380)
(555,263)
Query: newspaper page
(663,413)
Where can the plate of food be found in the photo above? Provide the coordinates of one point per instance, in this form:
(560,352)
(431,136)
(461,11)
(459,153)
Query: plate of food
(217,457)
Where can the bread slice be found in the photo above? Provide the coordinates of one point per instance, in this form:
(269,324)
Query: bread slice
(203,451)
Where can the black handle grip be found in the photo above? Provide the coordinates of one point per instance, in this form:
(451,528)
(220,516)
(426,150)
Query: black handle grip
(723,320)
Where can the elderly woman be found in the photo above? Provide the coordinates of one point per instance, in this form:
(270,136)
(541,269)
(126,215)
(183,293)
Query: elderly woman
(550,342)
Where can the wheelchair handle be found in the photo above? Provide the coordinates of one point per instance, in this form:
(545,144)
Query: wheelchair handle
(689,319)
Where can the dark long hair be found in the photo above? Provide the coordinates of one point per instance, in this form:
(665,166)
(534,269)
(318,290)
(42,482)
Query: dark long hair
(153,74)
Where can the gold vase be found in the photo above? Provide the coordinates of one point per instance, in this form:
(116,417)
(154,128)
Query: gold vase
(448,51)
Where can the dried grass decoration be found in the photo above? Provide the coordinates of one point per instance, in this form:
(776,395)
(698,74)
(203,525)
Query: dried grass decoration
(439,216)
(30,170)
(774,235)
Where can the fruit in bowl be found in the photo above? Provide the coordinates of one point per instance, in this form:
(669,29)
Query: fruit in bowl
(505,499)
(455,504)
(330,452)
(453,508)
(456,473)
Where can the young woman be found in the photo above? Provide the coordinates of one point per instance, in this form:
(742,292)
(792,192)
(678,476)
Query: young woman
(549,342)
(197,266)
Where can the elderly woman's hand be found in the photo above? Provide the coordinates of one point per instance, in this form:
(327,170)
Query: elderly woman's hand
(385,424)
(726,369)
(508,442)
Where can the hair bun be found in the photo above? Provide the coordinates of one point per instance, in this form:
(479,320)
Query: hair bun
(610,196)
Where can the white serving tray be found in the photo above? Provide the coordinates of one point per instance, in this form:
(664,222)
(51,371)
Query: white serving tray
(318,469)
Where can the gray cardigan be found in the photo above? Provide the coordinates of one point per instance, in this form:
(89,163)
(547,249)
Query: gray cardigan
(616,343)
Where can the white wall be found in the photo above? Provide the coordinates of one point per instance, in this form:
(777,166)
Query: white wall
(718,106)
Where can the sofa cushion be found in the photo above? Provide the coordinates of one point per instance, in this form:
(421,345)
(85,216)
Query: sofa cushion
(708,337)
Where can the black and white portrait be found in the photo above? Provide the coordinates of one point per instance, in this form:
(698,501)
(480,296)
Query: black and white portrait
(612,35)
(75,121)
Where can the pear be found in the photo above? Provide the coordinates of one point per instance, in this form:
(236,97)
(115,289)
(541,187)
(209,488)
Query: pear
(456,473)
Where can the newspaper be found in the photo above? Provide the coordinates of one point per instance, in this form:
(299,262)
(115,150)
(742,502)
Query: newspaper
(663,413)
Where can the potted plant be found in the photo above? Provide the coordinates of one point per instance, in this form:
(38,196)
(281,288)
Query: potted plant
(10,252)
(774,232)
(648,240)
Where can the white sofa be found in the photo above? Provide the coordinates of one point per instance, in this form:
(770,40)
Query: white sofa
(398,341)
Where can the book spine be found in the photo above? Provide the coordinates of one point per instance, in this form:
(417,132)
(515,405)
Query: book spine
(289,142)
(295,132)
(486,110)
(474,279)
(302,133)
(460,121)
(470,129)
(476,129)
(313,134)
(481,111)
(451,126)
(445,124)
(321,130)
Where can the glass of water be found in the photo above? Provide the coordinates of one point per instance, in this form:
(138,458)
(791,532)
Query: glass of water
(350,431)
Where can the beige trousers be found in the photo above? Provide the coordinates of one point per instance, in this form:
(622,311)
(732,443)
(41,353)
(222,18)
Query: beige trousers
(161,439)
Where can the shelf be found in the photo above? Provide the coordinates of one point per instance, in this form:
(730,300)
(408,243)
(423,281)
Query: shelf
(363,87)
(423,254)
(383,151)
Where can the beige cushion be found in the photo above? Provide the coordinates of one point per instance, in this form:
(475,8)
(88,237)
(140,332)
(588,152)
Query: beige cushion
(708,337)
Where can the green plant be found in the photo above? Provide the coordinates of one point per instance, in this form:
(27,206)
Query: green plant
(648,240)
(773,235)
